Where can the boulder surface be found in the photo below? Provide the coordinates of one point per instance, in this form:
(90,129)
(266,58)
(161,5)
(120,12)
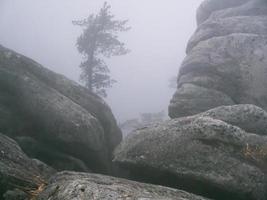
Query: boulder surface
(248,117)
(198,154)
(61,117)
(82,186)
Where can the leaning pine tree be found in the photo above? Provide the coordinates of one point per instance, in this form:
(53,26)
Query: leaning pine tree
(99,40)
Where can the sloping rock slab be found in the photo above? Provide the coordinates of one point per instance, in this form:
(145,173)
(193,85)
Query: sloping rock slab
(82,186)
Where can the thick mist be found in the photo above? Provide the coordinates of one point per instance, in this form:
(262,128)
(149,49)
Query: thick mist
(160,30)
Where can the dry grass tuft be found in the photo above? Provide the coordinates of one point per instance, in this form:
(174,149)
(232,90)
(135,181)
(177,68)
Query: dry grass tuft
(257,155)
(33,192)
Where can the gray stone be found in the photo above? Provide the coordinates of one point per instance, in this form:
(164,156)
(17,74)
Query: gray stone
(216,27)
(251,8)
(245,116)
(44,169)
(82,186)
(207,7)
(198,154)
(227,54)
(191,99)
(17,170)
(55,111)
(50,155)
(239,60)
(16,195)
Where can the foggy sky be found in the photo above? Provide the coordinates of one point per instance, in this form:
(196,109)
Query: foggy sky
(42,30)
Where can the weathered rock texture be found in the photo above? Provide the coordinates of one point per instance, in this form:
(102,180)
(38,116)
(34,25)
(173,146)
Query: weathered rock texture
(17,170)
(248,117)
(227,58)
(53,118)
(82,186)
(206,154)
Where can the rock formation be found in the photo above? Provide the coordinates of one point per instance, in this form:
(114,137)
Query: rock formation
(53,118)
(22,178)
(216,146)
(201,154)
(62,124)
(226,61)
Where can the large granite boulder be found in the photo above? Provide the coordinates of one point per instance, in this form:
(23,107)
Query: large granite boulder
(62,116)
(201,154)
(82,186)
(18,171)
(227,58)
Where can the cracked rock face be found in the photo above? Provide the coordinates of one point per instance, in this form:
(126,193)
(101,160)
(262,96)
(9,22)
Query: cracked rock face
(212,154)
(226,60)
(82,186)
(54,119)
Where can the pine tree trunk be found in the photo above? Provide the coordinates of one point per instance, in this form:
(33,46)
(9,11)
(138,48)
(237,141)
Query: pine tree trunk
(90,81)
(91,65)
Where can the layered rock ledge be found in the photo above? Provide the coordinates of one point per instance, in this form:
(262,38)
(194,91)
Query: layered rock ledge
(226,58)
